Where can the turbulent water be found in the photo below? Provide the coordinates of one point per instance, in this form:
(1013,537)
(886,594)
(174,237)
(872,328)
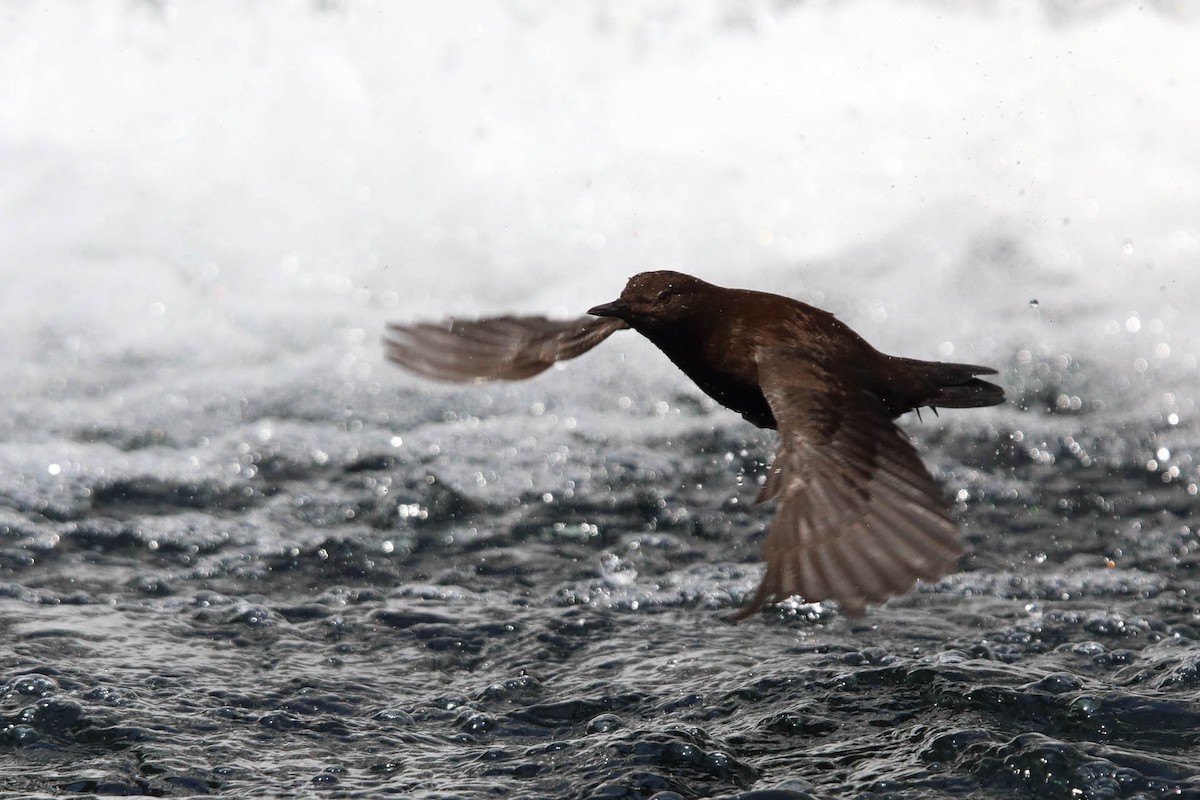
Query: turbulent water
(241,556)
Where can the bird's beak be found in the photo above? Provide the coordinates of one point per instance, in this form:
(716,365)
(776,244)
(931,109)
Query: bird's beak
(616,308)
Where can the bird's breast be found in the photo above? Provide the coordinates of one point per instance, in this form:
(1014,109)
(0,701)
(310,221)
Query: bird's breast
(726,372)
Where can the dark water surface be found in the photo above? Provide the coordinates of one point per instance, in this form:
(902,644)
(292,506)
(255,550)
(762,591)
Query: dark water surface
(353,593)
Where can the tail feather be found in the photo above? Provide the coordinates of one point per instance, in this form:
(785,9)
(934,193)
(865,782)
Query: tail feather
(942,385)
(972,394)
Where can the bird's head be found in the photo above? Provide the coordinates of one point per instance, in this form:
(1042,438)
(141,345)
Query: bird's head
(652,298)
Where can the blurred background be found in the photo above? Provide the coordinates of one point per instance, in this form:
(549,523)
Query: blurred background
(215,183)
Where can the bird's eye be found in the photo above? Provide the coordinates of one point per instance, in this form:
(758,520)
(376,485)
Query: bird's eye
(665,296)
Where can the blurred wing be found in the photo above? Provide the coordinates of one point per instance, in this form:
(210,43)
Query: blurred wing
(859,519)
(502,348)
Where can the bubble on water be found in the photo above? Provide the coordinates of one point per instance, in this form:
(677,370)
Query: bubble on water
(605,723)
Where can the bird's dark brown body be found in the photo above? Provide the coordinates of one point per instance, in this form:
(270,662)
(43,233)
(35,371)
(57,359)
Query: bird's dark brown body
(715,345)
(859,517)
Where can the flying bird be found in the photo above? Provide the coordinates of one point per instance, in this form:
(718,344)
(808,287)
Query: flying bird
(858,518)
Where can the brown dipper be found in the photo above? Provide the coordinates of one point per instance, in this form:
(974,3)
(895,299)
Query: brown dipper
(860,519)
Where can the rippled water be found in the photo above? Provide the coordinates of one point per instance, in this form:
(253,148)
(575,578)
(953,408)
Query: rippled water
(241,556)
(362,592)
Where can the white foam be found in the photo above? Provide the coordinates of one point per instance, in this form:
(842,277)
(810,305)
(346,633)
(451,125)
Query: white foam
(218,180)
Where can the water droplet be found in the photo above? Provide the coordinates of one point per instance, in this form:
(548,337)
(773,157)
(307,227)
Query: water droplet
(1084,706)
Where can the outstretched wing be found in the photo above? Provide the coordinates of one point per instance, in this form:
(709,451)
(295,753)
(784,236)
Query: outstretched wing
(859,519)
(501,348)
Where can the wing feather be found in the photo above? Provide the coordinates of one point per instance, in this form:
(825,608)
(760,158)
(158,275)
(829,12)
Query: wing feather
(499,348)
(859,518)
